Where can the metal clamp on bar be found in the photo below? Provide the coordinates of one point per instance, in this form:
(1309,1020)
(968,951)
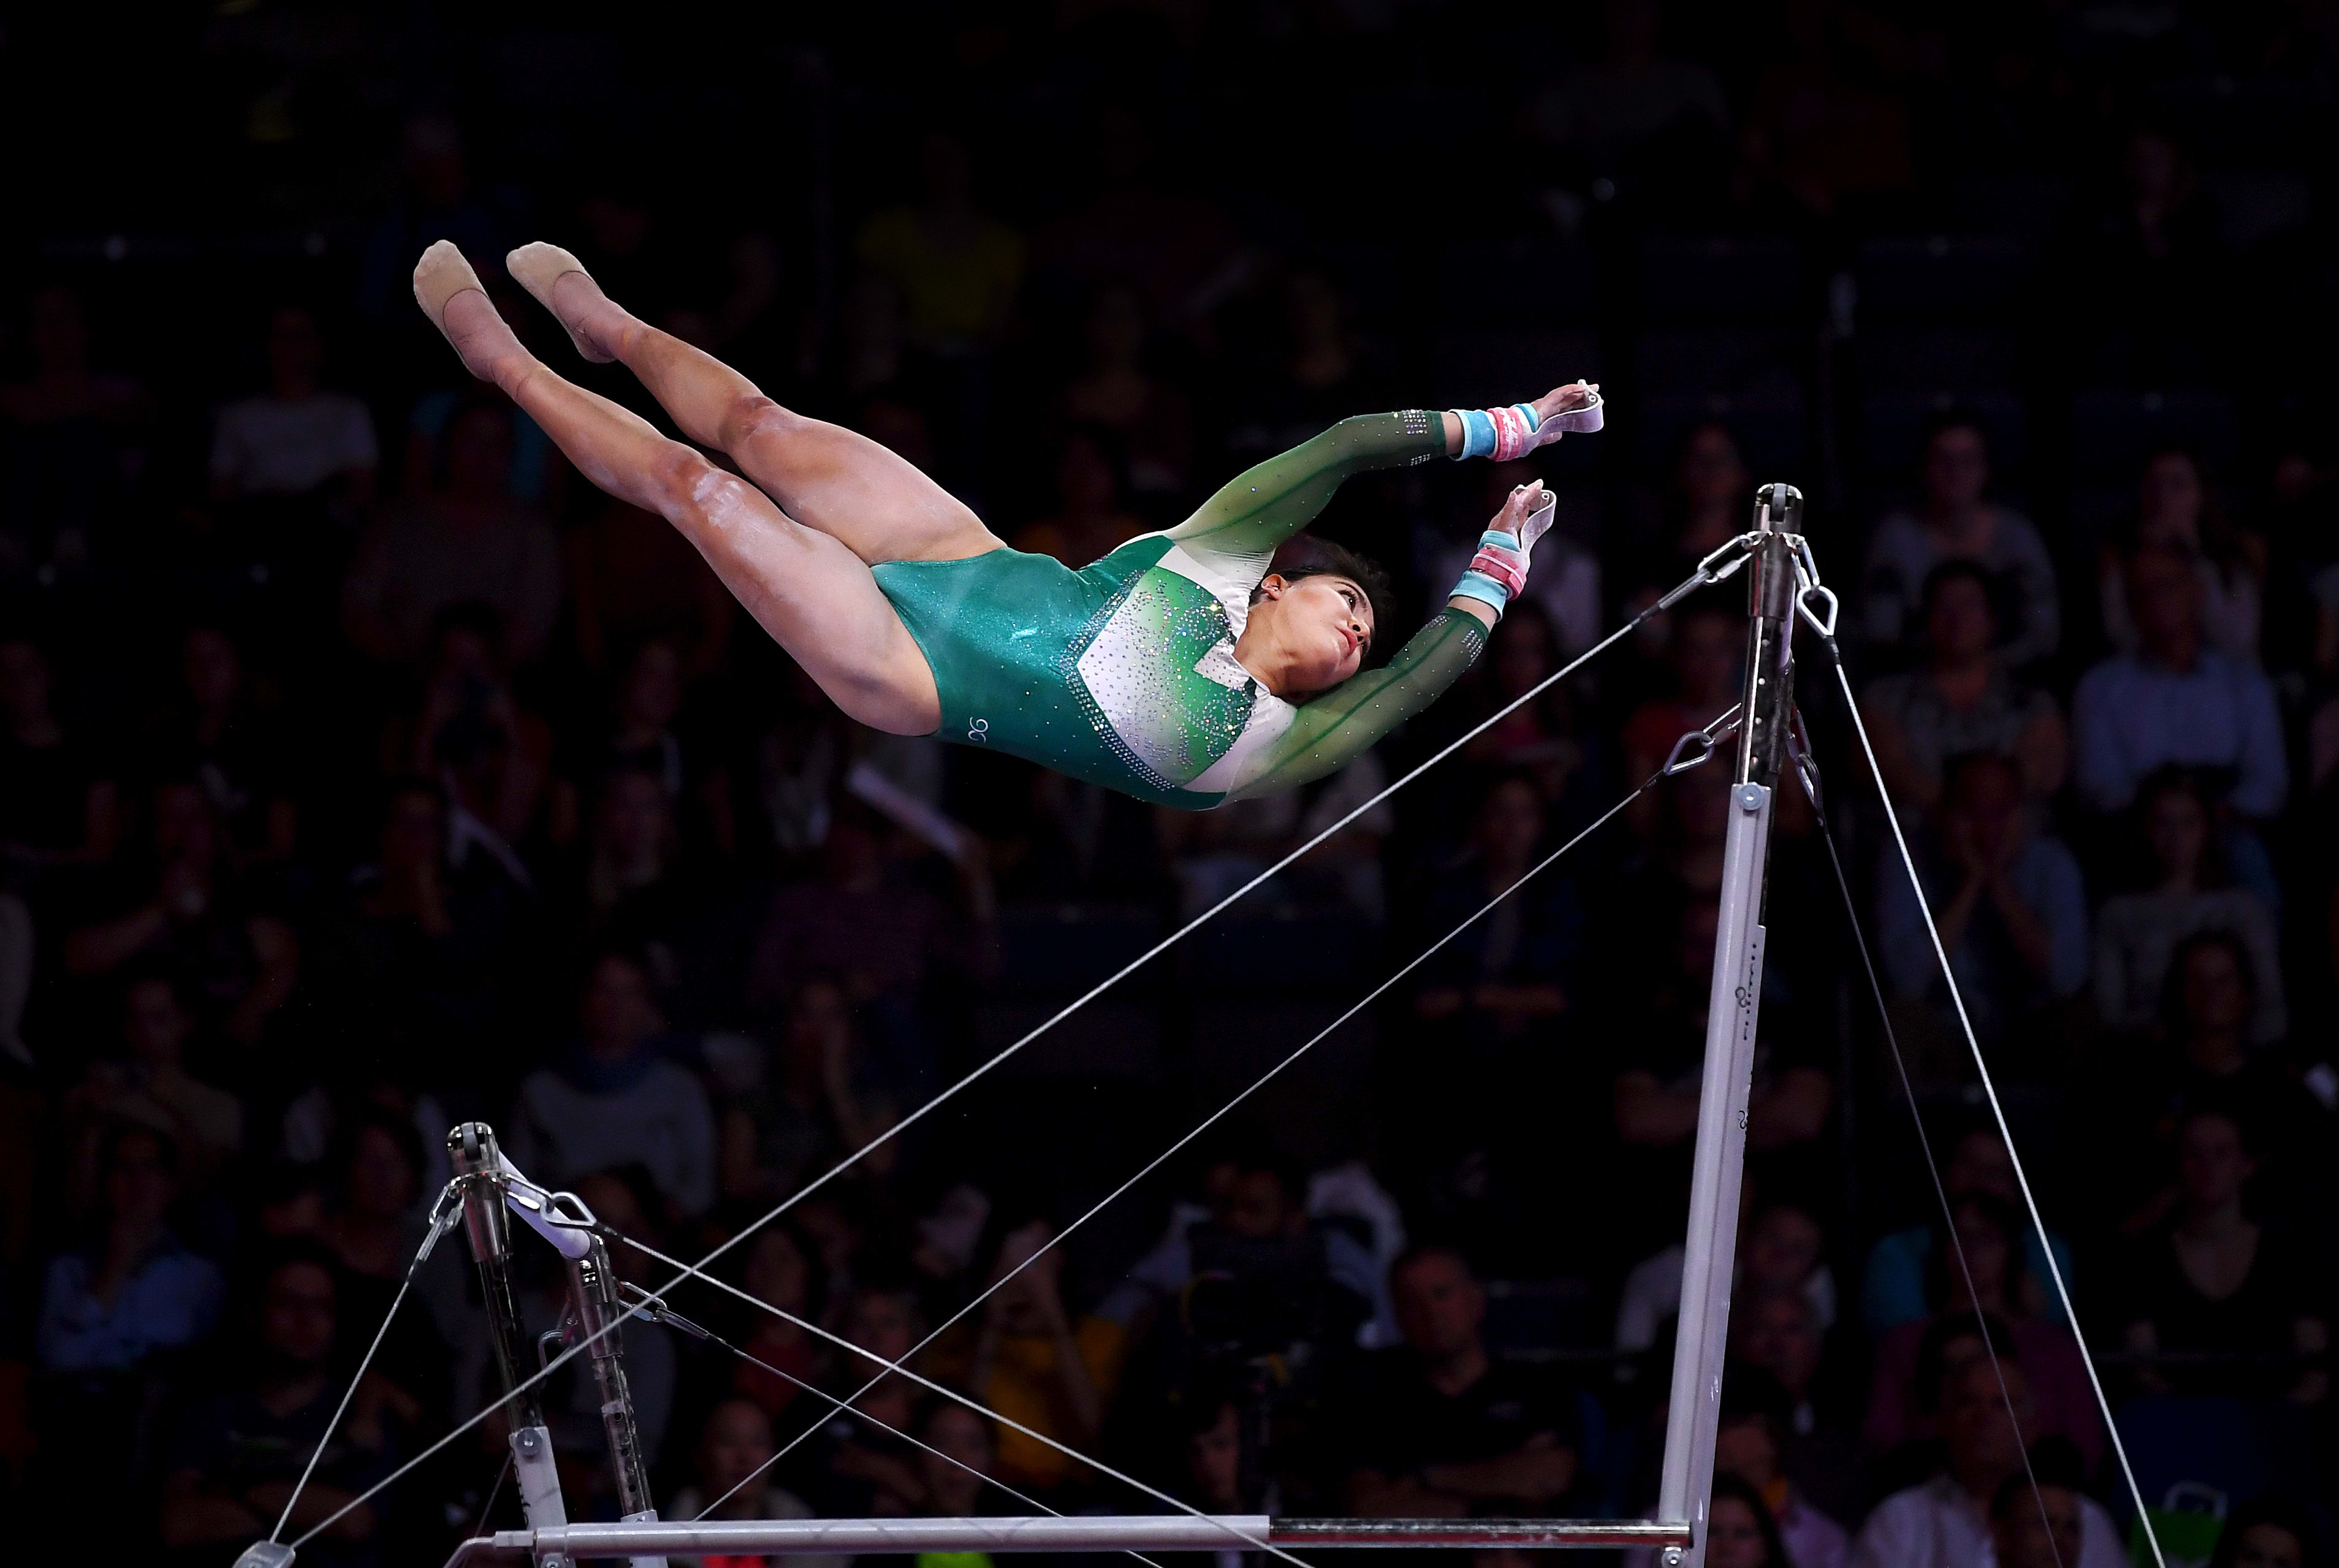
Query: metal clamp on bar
(1681,759)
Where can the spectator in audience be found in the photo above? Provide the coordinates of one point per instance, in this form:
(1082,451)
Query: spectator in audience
(1510,973)
(2014,920)
(637,889)
(1637,116)
(958,269)
(870,1469)
(132,1288)
(2268,1532)
(1181,252)
(613,1099)
(783,1269)
(2175,700)
(2003,1297)
(1705,508)
(71,445)
(1323,370)
(1895,1290)
(186,907)
(464,539)
(1778,1332)
(784,1123)
(1782,1247)
(471,735)
(1032,1362)
(1090,521)
(1707,644)
(373,1226)
(1961,699)
(296,438)
(2214,1280)
(633,581)
(1300,1276)
(2137,933)
(1659,1064)
(1115,392)
(150,1086)
(239,1453)
(863,921)
(961,1451)
(2174,512)
(1540,739)
(2150,273)
(220,733)
(733,1483)
(2207,1061)
(1956,522)
(2037,1516)
(16,954)
(431,950)
(1945,1523)
(58,806)
(1741,1531)
(1754,1424)
(1444,1430)
(1813,134)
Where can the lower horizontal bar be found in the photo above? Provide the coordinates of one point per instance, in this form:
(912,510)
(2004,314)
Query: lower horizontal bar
(1107,1532)
(1529,1532)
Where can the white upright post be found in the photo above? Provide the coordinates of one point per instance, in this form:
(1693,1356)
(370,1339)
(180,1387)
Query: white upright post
(1709,1250)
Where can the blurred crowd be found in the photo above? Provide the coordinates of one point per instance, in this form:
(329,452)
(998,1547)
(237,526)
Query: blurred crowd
(364,770)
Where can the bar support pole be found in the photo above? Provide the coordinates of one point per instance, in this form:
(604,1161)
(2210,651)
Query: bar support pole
(1732,1009)
(479,1170)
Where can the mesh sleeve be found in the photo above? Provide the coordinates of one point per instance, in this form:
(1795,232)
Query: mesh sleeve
(1333,729)
(1238,530)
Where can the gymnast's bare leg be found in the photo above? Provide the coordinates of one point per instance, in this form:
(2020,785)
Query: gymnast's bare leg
(812,592)
(842,483)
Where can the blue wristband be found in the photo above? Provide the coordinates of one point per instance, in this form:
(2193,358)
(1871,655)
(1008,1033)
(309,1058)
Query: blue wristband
(1485,589)
(1502,537)
(1527,410)
(1477,432)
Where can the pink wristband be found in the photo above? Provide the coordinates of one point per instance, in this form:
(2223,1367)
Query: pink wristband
(1507,566)
(1512,439)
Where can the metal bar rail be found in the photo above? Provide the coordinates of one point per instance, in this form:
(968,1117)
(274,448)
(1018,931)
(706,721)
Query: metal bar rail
(1135,1532)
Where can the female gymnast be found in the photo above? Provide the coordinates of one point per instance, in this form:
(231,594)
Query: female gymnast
(1178,669)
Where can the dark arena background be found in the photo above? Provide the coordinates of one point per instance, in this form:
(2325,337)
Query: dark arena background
(364,770)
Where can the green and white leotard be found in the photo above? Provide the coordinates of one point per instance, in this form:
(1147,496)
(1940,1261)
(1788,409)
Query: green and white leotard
(1123,672)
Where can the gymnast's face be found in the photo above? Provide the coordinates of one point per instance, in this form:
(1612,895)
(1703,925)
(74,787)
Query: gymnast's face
(1318,629)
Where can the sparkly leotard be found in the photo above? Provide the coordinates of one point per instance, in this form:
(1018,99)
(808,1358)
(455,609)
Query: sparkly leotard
(1124,673)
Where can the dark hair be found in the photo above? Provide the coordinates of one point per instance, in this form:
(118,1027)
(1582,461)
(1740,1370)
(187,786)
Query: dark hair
(1932,1351)
(1422,1251)
(933,1406)
(1751,1393)
(1942,1278)
(1959,570)
(2172,987)
(1738,1489)
(1955,767)
(1956,417)
(2268,1508)
(2054,1461)
(478,617)
(399,1129)
(1305,556)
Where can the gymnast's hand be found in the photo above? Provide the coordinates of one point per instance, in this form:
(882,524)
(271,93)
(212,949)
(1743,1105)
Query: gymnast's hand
(1499,572)
(1567,399)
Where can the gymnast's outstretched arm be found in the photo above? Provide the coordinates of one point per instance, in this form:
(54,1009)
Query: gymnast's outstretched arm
(1332,730)
(1238,528)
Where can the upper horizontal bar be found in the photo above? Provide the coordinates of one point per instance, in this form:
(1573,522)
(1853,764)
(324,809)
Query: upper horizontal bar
(1112,1532)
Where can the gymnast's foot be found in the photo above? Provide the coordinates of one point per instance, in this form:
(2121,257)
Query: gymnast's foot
(449,293)
(596,324)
